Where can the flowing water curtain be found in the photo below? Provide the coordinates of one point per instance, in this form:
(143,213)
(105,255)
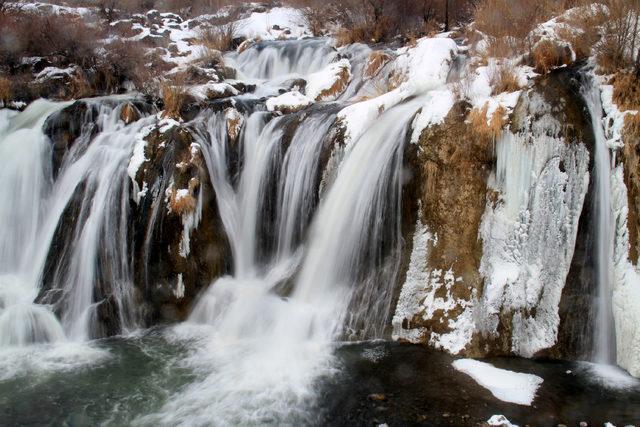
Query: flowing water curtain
(87,273)
(26,174)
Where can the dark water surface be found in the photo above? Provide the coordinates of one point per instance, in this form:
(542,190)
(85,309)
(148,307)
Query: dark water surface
(377,383)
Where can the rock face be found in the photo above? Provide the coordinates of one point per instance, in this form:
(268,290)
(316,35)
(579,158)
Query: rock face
(179,242)
(493,244)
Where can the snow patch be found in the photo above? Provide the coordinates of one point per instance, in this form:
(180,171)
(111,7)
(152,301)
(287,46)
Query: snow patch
(508,386)
(290,101)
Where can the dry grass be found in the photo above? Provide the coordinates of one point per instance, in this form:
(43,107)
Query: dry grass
(502,79)
(338,86)
(218,38)
(487,130)
(631,129)
(173,97)
(626,91)
(377,59)
(548,54)
(79,86)
(6,92)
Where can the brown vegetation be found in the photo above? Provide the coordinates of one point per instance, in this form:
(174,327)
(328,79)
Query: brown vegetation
(502,79)
(218,38)
(5,90)
(548,54)
(377,59)
(173,98)
(487,130)
(626,91)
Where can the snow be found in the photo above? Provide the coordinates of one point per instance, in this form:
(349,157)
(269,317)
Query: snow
(626,291)
(425,67)
(260,24)
(413,290)
(290,101)
(324,80)
(137,159)
(626,283)
(500,421)
(529,235)
(212,90)
(55,72)
(508,386)
(436,108)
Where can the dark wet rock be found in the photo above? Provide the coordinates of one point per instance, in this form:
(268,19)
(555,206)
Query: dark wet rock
(64,127)
(170,272)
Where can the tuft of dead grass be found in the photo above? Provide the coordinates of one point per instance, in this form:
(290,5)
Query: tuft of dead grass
(218,38)
(487,130)
(338,86)
(181,203)
(548,54)
(503,79)
(173,97)
(626,91)
(631,131)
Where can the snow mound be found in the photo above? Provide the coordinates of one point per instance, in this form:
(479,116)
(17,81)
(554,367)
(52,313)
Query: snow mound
(288,102)
(328,83)
(508,386)
(277,23)
(500,421)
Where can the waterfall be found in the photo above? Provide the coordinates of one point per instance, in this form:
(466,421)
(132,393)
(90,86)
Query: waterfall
(261,351)
(26,180)
(604,350)
(82,217)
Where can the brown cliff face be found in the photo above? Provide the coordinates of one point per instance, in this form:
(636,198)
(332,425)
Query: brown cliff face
(454,163)
(631,160)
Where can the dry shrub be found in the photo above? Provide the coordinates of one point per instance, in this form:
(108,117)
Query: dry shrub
(508,23)
(66,37)
(173,97)
(79,86)
(218,38)
(487,131)
(620,42)
(502,79)
(547,54)
(377,59)
(626,91)
(6,92)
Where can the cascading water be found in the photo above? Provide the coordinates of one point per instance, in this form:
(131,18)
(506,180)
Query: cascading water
(26,179)
(604,351)
(269,60)
(93,174)
(261,352)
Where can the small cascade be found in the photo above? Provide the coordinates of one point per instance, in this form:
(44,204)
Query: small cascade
(604,351)
(272,60)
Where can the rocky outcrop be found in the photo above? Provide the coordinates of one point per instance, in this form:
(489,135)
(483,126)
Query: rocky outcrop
(179,243)
(491,252)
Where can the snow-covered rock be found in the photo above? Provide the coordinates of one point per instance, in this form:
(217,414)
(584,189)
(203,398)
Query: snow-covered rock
(288,102)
